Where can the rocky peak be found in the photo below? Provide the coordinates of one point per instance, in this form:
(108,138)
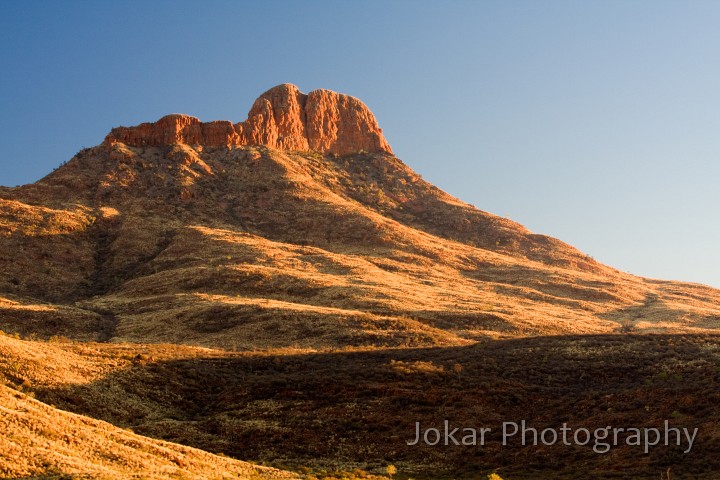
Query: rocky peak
(283,118)
(277,119)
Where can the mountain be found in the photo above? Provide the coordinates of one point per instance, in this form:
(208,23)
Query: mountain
(295,227)
(285,291)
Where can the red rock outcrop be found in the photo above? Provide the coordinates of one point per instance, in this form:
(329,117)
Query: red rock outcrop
(277,119)
(283,118)
(176,129)
(340,124)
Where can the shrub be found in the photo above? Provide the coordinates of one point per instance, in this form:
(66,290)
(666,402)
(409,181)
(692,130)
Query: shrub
(627,325)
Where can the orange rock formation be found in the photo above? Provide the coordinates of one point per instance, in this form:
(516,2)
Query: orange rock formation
(282,118)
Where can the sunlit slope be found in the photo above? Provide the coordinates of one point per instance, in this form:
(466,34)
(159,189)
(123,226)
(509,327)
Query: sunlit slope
(249,247)
(39,441)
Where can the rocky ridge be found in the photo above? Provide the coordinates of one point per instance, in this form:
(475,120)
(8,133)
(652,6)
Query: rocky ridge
(283,118)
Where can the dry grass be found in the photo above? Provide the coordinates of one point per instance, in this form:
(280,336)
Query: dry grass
(355,409)
(42,442)
(359,295)
(248,248)
(47,320)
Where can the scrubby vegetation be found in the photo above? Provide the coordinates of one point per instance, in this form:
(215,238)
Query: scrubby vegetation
(320,413)
(305,310)
(250,247)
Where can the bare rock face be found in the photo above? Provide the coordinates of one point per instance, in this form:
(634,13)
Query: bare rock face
(341,124)
(277,119)
(283,118)
(176,129)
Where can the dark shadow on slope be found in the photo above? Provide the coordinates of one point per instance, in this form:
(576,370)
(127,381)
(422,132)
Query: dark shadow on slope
(361,407)
(463,321)
(653,309)
(552,287)
(385,184)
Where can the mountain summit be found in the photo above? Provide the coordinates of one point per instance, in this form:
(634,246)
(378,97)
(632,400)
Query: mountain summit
(283,118)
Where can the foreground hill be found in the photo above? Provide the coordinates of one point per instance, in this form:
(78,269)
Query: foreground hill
(40,441)
(153,237)
(355,410)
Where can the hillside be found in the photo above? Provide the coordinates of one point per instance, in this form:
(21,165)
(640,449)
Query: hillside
(283,290)
(248,246)
(40,441)
(354,410)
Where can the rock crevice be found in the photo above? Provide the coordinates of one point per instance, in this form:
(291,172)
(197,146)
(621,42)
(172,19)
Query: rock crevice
(283,118)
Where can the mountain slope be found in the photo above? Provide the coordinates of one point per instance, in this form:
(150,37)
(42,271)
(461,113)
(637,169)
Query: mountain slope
(246,246)
(341,297)
(40,441)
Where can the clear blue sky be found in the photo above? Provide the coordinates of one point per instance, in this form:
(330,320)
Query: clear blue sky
(597,122)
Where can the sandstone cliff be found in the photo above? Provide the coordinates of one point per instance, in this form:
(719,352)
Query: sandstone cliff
(283,118)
